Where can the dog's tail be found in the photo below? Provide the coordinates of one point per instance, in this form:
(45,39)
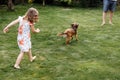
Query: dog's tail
(62,34)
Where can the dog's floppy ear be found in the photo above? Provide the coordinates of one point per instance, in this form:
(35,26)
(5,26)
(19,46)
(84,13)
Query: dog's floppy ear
(72,24)
(77,25)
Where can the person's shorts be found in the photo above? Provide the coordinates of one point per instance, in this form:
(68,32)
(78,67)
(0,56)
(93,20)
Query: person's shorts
(109,5)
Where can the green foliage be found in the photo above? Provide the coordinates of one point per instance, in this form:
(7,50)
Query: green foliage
(78,3)
(3,2)
(30,1)
(65,2)
(96,56)
(90,3)
(68,1)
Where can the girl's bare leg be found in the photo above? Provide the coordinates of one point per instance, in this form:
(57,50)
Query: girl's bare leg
(31,58)
(18,60)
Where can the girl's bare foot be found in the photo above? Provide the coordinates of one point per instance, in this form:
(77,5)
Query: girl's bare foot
(33,58)
(16,67)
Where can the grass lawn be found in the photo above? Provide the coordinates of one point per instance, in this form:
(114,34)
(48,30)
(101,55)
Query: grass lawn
(96,56)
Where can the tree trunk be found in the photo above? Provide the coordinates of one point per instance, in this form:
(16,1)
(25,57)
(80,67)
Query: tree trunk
(43,2)
(10,5)
(23,2)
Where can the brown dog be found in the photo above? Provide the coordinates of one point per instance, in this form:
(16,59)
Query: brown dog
(69,33)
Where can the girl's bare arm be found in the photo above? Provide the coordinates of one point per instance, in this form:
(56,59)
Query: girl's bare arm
(35,30)
(6,29)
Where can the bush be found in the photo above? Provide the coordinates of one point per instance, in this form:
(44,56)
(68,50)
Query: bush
(90,3)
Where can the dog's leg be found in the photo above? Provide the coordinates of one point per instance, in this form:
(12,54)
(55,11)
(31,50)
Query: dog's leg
(67,40)
(76,36)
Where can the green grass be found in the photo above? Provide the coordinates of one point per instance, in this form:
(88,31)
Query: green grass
(96,56)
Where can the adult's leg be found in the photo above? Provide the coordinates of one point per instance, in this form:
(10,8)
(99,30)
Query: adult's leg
(105,9)
(112,9)
(104,18)
(110,19)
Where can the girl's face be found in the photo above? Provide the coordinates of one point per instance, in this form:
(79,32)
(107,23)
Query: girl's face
(32,15)
(35,17)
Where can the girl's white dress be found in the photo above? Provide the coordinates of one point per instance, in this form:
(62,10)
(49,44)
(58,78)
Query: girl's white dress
(24,38)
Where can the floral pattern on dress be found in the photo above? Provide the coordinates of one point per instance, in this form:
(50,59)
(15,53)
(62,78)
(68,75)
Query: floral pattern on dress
(23,38)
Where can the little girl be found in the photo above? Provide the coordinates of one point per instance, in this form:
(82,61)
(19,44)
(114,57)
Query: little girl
(26,23)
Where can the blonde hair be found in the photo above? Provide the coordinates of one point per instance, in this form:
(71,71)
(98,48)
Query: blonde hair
(31,14)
